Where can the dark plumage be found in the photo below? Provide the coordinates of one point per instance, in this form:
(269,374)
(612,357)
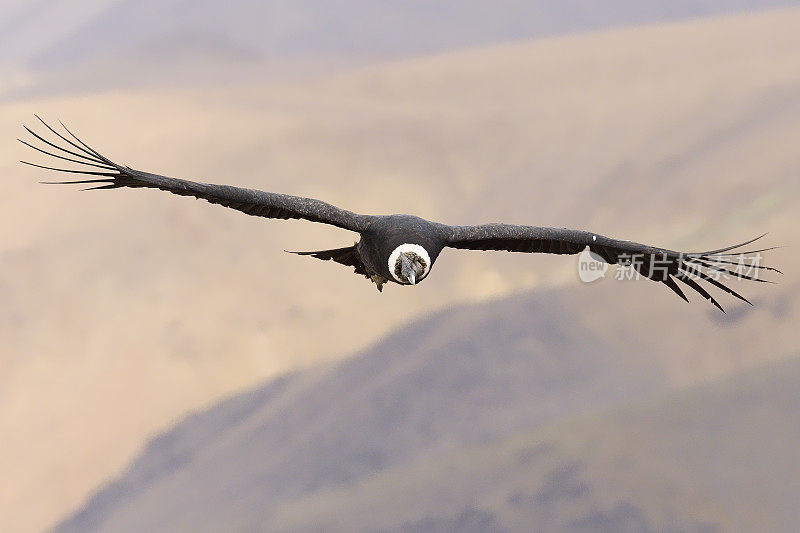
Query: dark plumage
(403,248)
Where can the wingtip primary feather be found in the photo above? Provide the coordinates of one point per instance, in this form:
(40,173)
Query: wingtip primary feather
(87,151)
(710,279)
(715,263)
(92,150)
(73,182)
(689,281)
(69,171)
(61,148)
(733,247)
(76,161)
(669,282)
(716,268)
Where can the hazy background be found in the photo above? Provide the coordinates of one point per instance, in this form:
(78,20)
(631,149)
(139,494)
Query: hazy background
(164,365)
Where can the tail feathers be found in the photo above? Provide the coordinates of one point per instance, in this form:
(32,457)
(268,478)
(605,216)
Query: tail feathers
(348,256)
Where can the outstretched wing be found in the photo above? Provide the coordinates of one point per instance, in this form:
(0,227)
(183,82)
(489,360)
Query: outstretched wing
(106,174)
(658,264)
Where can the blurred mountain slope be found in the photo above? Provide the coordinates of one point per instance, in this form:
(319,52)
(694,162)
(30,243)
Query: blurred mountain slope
(91,44)
(464,375)
(353,27)
(718,457)
(682,135)
(386,440)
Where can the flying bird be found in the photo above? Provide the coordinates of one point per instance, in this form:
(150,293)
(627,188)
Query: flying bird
(403,248)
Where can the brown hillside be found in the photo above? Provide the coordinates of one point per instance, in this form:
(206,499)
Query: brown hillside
(122,311)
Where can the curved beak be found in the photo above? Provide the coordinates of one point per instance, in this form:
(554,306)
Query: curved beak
(407,269)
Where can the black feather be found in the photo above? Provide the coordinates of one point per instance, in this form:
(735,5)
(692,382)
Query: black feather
(86,172)
(716,283)
(89,153)
(694,285)
(669,282)
(78,161)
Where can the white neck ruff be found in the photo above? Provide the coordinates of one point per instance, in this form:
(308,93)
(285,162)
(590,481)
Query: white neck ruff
(412,248)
